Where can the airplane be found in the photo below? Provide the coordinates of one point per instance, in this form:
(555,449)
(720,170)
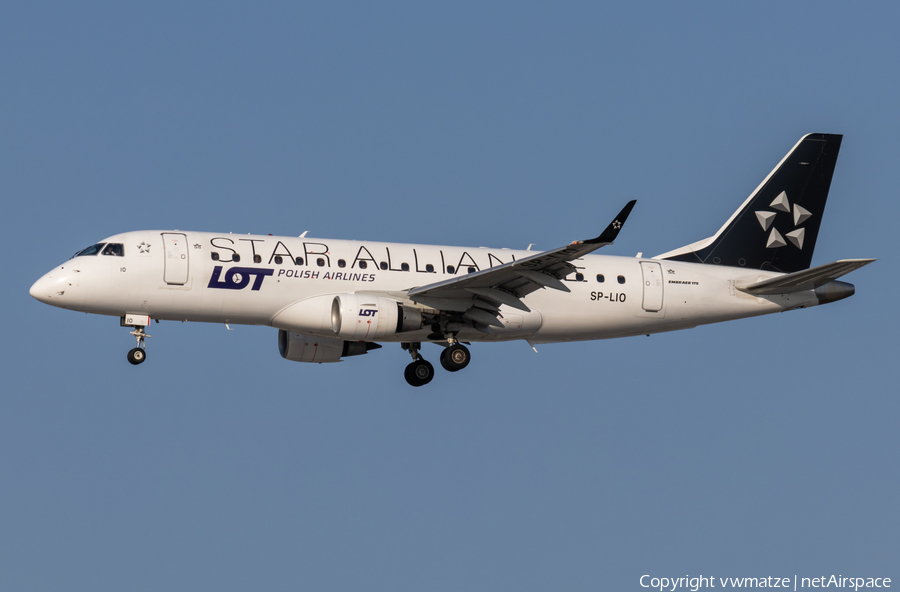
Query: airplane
(334,299)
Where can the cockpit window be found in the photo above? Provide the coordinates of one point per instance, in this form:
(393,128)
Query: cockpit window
(115,249)
(91,250)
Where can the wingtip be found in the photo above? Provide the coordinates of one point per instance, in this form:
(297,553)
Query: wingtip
(612,231)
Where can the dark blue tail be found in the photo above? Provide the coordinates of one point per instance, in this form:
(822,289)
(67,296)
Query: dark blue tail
(776,228)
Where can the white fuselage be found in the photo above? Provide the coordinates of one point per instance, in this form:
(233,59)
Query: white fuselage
(250,279)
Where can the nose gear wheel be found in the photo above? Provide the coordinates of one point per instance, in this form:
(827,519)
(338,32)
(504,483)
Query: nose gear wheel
(136,356)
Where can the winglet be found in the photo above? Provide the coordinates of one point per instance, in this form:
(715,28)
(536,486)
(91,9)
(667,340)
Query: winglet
(612,231)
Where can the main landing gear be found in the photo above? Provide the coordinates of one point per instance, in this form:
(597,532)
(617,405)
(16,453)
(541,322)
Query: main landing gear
(455,358)
(138,354)
(420,371)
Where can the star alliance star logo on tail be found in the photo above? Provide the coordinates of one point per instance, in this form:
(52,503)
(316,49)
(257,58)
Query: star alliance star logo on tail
(800,214)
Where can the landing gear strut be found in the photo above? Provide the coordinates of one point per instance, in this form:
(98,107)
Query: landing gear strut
(138,354)
(420,371)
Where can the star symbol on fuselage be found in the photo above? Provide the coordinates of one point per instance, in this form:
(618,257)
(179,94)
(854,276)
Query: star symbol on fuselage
(197,246)
(143,247)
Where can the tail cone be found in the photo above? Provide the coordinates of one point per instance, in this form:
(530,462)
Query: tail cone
(834,291)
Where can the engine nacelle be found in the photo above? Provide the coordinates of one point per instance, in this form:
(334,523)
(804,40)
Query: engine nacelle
(312,315)
(354,317)
(360,316)
(298,347)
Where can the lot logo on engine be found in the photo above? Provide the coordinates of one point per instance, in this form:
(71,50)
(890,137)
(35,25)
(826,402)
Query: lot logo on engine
(368,313)
(238,278)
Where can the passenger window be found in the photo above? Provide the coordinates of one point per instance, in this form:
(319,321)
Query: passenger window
(320,262)
(114,249)
(579,277)
(429,268)
(383,266)
(298,261)
(278,259)
(363,265)
(235,257)
(451,269)
(92,250)
(257,259)
(342,263)
(214,255)
(471,270)
(621,279)
(404,266)
(600,278)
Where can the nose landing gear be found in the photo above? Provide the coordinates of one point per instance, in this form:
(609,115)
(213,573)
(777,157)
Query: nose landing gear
(138,354)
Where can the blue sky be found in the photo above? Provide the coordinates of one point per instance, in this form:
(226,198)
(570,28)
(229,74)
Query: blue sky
(759,447)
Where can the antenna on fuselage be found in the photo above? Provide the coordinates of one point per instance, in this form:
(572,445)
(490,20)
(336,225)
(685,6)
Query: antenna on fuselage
(304,234)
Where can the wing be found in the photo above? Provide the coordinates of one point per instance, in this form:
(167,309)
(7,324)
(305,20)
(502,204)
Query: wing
(478,295)
(808,279)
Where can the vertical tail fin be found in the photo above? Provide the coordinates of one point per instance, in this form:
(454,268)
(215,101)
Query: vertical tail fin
(777,226)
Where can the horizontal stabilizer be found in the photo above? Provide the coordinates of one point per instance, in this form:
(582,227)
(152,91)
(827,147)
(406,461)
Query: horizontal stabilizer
(808,279)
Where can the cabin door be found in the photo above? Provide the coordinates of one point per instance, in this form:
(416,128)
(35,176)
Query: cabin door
(653,286)
(176,270)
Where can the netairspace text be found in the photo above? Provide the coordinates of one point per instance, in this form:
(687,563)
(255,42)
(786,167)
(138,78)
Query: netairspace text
(794,583)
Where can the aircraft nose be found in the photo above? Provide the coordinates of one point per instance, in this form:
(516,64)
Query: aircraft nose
(41,289)
(57,288)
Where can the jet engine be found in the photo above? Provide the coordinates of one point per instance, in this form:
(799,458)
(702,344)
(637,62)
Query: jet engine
(359,316)
(298,347)
(354,317)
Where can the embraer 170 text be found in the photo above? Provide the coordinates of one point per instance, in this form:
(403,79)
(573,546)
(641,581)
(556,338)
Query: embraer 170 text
(331,299)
